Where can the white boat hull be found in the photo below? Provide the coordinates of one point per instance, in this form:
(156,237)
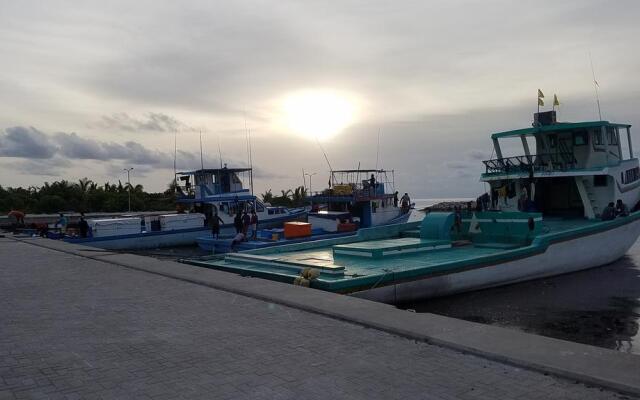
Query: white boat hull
(559,258)
(150,240)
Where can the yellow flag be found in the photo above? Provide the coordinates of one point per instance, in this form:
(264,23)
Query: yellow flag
(540,102)
(540,94)
(555,100)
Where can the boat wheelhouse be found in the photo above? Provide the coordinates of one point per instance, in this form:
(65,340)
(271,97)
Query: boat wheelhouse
(221,191)
(575,168)
(364,196)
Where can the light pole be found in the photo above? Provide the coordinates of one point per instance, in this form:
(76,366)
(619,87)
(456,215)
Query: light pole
(310,191)
(129,184)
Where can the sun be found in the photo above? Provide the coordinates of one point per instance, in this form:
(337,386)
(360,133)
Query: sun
(318,114)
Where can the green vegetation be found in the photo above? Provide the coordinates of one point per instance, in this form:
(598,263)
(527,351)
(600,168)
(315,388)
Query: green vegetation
(288,198)
(83,196)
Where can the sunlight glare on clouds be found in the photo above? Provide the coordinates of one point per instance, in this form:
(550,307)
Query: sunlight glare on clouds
(318,114)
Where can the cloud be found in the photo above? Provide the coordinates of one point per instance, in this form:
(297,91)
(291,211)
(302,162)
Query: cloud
(152,122)
(458,165)
(25,142)
(42,167)
(477,155)
(49,153)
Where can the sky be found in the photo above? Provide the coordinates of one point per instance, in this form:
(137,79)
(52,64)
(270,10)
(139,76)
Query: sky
(89,88)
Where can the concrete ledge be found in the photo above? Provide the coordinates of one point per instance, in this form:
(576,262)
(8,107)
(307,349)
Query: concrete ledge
(588,364)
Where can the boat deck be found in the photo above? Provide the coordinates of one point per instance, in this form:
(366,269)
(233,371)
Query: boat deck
(361,264)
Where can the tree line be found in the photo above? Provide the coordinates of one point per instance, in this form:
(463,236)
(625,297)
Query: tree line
(84,195)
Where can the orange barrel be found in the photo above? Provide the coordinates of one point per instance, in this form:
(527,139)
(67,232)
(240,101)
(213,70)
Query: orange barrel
(296,229)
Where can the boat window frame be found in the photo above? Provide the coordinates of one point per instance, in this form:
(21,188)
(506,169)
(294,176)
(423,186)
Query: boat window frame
(580,134)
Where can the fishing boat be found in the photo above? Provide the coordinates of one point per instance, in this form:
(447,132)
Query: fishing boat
(362,197)
(220,191)
(340,210)
(200,194)
(548,212)
(142,232)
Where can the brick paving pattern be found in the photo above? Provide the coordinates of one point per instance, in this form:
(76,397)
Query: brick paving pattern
(74,328)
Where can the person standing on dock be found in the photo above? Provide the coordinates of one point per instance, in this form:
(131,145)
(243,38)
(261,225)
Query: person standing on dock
(215,225)
(62,223)
(406,203)
(254,225)
(83,226)
(246,221)
(237,222)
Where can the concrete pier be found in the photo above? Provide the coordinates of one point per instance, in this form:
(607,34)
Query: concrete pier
(77,322)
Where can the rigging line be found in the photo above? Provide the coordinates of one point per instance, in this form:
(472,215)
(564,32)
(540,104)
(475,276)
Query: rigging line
(325,158)
(596,85)
(378,151)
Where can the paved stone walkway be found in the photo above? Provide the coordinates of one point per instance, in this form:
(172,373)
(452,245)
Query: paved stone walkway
(74,328)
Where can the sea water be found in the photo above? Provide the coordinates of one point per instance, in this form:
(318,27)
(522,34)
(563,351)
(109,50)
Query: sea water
(599,306)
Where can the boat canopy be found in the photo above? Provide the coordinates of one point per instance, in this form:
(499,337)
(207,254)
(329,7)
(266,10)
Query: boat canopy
(557,127)
(214,171)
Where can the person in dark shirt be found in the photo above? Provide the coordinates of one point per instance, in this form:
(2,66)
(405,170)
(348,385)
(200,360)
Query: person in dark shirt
(608,213)
(83,226)
(237,222)
(621,209)
(246,221)
(215,225)
(254,225)
(395,199)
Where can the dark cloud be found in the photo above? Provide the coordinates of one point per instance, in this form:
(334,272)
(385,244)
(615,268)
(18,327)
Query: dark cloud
(152,122)
(27,142)
(42,167)
(47,154)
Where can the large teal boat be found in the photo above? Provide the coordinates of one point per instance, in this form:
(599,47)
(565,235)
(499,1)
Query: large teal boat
(548,212)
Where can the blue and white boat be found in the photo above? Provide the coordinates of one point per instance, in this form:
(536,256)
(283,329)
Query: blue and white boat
(200,194)
(133,233)
(221,191)
(548,213)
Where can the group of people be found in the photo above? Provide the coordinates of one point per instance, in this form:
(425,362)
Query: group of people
(405,202)
(611,211)
(246,226)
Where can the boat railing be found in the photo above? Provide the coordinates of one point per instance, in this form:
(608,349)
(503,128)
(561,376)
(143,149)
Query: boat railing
(560,161)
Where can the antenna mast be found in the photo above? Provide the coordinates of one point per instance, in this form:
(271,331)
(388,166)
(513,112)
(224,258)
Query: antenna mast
(175,156)
(201,157)
(219,151)
(595,86)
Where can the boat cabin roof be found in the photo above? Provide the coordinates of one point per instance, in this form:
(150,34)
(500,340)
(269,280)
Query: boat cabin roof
(350,171)
(557,127)
(214,171)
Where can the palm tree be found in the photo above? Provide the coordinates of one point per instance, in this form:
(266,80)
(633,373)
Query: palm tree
(267,197)
(84,184)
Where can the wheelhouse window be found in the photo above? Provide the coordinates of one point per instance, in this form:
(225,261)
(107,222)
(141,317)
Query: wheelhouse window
(599,180)
(597,137)
(612,135)
(579,138)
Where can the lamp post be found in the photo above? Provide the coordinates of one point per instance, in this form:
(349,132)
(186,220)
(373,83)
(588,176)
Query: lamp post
(129,184)
(310,191)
